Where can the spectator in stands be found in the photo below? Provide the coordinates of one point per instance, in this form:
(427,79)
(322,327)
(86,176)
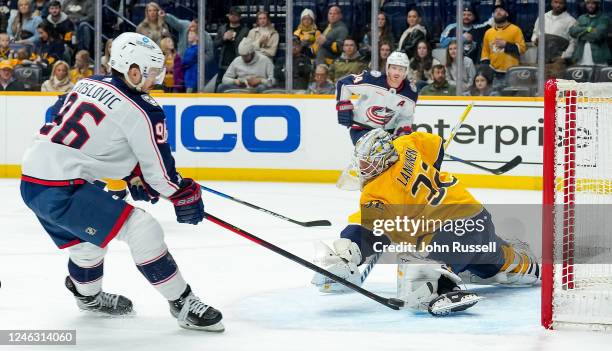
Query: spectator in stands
(321,84)
(41,8)
(591,33)
(22,24)
(264,36)
(411,36)
(251,70)
(153,25)
(419,71)
(472,34)
(81,13)
(59,80)
(49,48)
(4,15)
(60,22)
(502,45)
(183,27)
(81,67)
(6,53)
(22,57)
(105,60)
(468,72)
(560,45)
(173,81)
(385,34)
(308,32)
(350,62)
(332,38)
(190,63)
(439,86)
(7,82)
(228,37)
(385,49)
(481,86)
(302,67)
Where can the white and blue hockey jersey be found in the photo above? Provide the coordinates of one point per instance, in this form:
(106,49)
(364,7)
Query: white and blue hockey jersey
(379,105)
(104,129)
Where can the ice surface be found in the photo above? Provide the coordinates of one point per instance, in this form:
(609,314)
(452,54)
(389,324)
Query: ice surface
(267,301)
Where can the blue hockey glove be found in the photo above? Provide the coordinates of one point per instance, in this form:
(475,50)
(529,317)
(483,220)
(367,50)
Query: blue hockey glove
(345,112)
(139,189)
(188,203)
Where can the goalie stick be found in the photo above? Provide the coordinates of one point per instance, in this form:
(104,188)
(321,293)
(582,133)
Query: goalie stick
(506,167)
(317,223)
(390,302)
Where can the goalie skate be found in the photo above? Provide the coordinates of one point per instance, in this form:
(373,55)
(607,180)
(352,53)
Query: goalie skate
(454,301)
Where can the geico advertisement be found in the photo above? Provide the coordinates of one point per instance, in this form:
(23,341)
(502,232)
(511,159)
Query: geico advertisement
(298,133)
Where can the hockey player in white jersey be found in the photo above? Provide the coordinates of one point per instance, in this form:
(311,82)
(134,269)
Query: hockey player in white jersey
(110,127)
(385,102)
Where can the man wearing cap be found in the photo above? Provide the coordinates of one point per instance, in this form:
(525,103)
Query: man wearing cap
(591,33)
(472,34)
(302,67)
(7,82)
(228,38)
(251,70)
(502,45)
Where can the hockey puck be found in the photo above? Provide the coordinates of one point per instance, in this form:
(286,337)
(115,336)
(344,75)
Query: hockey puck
(396,302)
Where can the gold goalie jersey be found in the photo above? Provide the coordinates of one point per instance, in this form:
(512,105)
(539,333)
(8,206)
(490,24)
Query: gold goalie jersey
(414,188)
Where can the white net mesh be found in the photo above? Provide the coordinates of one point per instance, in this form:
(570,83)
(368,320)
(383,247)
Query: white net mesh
(582,277)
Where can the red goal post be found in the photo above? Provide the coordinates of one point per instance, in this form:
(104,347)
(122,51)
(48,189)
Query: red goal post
(577,205)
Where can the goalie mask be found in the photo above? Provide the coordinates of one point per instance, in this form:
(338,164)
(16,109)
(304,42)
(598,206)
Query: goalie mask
(374,153)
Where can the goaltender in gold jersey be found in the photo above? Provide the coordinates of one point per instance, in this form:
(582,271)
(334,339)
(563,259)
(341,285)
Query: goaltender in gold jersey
(406,198)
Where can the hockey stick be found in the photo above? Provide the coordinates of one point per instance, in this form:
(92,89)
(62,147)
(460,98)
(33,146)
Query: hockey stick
(317,223)
(497,171)
(392,303)
(464,115)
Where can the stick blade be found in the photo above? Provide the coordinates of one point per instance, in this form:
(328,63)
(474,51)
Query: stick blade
(510,165)
(318,223)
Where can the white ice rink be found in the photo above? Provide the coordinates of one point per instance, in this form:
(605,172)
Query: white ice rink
(267,301)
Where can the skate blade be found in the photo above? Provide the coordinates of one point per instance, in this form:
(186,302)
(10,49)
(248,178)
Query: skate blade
(465,303)
(215,328)
(99,314)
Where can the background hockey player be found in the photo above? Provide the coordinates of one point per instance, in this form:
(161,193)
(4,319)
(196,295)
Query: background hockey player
(403,177)
(109,127)
(385,102)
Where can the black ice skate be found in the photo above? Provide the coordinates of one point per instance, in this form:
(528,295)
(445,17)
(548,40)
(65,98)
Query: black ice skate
(102,302)
(191,313)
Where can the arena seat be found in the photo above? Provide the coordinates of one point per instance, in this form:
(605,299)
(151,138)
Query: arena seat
(581,74)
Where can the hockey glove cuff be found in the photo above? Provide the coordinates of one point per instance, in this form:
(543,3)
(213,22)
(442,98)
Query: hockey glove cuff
(188,203)
(405,130)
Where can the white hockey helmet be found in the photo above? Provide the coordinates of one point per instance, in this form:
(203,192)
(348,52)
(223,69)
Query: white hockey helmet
(132,48)
(398,58)
(374,153)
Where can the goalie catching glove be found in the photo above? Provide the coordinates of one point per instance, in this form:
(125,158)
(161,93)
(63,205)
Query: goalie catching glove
(341,261)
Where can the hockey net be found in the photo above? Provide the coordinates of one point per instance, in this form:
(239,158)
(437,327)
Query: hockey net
(577,197)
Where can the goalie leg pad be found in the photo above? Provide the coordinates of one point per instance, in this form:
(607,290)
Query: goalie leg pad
(342,261)
(430,286)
